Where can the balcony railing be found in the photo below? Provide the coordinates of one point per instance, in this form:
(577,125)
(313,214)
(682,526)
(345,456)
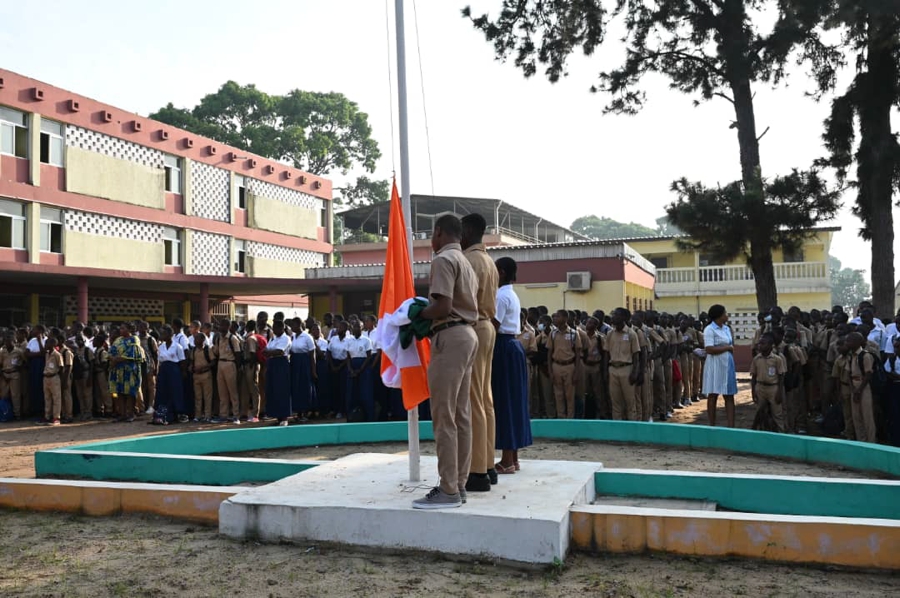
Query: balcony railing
(711,278)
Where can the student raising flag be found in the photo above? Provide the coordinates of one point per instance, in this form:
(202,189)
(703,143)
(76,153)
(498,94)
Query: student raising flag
(400,368)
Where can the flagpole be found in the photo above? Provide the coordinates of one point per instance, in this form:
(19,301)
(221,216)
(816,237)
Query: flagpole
(412,416)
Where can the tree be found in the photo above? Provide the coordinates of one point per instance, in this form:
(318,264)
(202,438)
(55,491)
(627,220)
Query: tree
(848,285)
(872,29)
(607,228)
(321,133)
(707,48)
(714,218)
(664,228)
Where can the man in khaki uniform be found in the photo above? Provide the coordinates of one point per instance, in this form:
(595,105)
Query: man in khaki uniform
(250,379)
(12,361)
(643,390)
(673,390)
(484,428)
(53,369)
(65,381)
(767,379)
(228,349)
(624,366)
(686,346)
(565,352)
(840,372)
(594,370)
(660,349)
(696,364)
(103,399)
(202,359)
(151,354)
(861,388)
(453,311)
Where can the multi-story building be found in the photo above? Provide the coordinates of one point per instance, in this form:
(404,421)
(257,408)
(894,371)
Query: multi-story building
(107,215)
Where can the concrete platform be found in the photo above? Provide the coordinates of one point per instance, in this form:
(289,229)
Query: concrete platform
(364,500)
(671,504)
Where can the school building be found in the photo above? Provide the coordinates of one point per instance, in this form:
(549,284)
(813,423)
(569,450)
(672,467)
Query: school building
(106,215)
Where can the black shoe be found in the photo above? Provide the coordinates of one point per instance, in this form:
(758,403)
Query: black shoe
(492,476)
(478,482)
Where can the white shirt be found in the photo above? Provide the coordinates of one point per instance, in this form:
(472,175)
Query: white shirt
(281,343)
(892,365)
(879,325)
(508,310)
(878,337)
(303,343)
(36,345)
(190,341)
(338,348)
(321,344)
(180,338)
(358,347)
(173,352)
(890,333)
(372,336)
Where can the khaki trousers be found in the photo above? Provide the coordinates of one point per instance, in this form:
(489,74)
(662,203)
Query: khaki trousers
(83,389)
(687,375)
(696,375)
(767,395)
(66,388)
(548,403)
(659,387)
(226,381)
(52,397)
(621,393)
(203,395)
(643,396)
(864,417)
(796,409)
(593,384)
(564,390)
(484,430)
(847,408)
(250,390)
(449,378)
(12,388)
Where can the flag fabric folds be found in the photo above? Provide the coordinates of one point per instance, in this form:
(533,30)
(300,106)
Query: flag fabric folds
(406,369)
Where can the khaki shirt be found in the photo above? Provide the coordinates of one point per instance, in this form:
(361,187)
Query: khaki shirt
(228,347)
(564,346)
(856,376)
(250,346)
(53,364)
(596,345)
(101,360)
(794,354)
(696,337)
(654,338)
(583,336)
(528,339)
(622,345)
(68,361)
(841,370)
(767,370)
(452,276)
(11,362)
(671,336)
(199,360)
(151,349)
(488,280)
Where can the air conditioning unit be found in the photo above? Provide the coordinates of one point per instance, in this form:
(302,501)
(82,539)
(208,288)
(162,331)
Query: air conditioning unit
(578,281)
(421,236)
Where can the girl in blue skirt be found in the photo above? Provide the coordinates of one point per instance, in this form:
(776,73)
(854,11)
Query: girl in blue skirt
(278,375)
(303,364)
(170,380)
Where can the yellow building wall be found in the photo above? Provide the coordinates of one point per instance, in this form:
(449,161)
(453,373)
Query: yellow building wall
(264,268)
(280,217)
(91,251)
(90,173)
(605,295)
(815,249)
(740,303)
(320,304)
(642,294)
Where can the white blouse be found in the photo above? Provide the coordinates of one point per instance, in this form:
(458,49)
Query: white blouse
(303,343)
(358,347)
(172,352)
(338,348)
(280,343)
(508,310)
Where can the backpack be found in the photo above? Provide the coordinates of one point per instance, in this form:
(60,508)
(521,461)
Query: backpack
(261,343)
(879,381)
(80,366)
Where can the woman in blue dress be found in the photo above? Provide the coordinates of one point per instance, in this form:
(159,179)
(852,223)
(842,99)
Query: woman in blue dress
(719,375)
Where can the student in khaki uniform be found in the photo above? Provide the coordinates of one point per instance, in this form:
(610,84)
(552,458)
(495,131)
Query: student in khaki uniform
(624,366)
(528,340)
(546,403)
(250,379)
(840,373)
(65,378)
(12,363)
(102,398)
(862,364)
(673,390)
(580,381)
(53,369)
(795,359)
(150,367)
(696,363)
(202,359)
(228,350)
(483,422)
(453,311)
(686,348)
(660,349)
(767,379)
(565,351)
(82,374)
(595,367)
(642,390)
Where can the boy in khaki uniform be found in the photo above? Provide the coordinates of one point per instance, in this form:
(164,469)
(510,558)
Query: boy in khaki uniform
(453,311)
(686,348)
(696,364)
(595,371)
(642,390)
(101,376)
(795,359)
(250,379)
(565,352)
(862,365)
(65,379)
(624,366)
(673,391)
(82,375)
(840,372)
(767,379)
(53,368)
(228,349)
(12,361)
(202,361)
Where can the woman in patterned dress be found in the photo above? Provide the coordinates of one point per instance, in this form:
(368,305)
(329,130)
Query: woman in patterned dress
(719,375)
(125,357)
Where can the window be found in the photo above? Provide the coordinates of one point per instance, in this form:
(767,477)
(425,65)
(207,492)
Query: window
(172,246)
(13,133)
(793,254)
(51,142)
(173,174)
(12,224)
(708,259)
(240,255)
(324,219)
(51,230)
(241,184)
(660,262)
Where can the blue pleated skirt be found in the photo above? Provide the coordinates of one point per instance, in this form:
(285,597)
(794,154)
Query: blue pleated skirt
(509,385)
(278,387)
(301,382)
(169,390)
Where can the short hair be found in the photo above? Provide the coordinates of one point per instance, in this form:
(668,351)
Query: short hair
(509,266)
(250,326)
(769,337)
(178,323)
(623,312)
(716,312)
(450,225)
(475,224)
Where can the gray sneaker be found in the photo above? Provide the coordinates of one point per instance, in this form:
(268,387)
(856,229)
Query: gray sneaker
(462,495)
(438,499)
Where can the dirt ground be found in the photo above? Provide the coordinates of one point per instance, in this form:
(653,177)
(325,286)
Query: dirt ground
(65,555)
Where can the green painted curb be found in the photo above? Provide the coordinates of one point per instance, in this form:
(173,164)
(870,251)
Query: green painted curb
(776,495)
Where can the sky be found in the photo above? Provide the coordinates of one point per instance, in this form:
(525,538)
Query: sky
(547,148)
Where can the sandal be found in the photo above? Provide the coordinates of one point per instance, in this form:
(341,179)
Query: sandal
(516,465)
(501,469)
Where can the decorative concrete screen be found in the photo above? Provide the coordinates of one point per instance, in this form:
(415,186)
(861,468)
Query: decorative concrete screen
(210,254)
(289,196)
(110,226)
(265,251)
(210,192)
(113,147)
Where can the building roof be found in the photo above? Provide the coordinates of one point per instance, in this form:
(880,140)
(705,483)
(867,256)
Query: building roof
(505,217)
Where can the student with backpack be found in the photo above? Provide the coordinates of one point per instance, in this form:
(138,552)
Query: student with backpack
(254,349)
(202,358)
(862,368)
